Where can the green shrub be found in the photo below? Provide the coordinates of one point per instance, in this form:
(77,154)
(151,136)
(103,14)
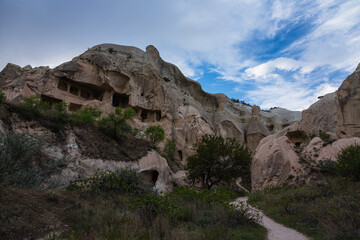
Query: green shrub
(155,134)
(348,163)
(60,110)
(124,180)
(2,97)
(21,161)
(327,166)
(169,150)
(219,160)
(85,116)
(33,107)
(116,122)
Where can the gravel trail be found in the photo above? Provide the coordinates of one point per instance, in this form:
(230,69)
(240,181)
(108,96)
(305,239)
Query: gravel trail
(275,230)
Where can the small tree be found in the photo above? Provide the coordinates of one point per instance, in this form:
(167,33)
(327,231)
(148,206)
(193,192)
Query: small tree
(85,116)
(116,121)
(348,163)
(33,106)
(169,150)
(2,97)
(155,134)
(218,160)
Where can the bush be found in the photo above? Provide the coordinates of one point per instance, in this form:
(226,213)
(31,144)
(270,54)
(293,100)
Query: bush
(116,122)
(155,134)
(219,160)
(122,181)
(2,97)
(169,151)
(85,116)
(21,161)
(348,163)
(33,107)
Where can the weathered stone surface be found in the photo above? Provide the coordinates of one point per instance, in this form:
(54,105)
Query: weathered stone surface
(109,75)
(321,115)
(254,133)
(317,150)
(349,106)
(274,160)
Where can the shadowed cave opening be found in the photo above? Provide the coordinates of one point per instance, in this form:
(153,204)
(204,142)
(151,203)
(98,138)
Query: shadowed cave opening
(150,176)
(120,100)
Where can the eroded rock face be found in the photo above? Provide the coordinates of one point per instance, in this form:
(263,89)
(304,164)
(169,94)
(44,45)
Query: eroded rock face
(336,114)
(349,106)
(274,161)
(109,76)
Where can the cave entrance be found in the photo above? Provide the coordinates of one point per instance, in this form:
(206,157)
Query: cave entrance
(180,155)
(120,100)
(150,176)
(73,107)
(158,116)
(144,114)
(63,85)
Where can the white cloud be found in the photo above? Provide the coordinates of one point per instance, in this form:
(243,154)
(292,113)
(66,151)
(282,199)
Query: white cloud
(201,36)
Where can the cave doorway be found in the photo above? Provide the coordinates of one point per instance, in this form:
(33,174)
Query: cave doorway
(120,100)
(150,176)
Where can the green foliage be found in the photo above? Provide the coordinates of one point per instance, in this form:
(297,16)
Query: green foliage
(33,107)
(155,134)
(85,116)
(348,163)
(169,151)
(323,135)
(116,122)
(219,160)
(21,162)
(327,166)
(124,180)
(2,97)
(322,210)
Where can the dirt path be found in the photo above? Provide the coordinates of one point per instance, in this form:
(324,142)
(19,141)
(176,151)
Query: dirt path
(275,230)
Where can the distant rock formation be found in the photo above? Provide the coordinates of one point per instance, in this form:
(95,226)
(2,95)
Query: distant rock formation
(286,157)
(109,76)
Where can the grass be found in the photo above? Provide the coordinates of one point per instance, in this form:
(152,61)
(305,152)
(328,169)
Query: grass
(65,214)
(322,210)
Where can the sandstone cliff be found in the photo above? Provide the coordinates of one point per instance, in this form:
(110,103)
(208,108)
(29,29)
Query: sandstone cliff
(290,157)
(108,76)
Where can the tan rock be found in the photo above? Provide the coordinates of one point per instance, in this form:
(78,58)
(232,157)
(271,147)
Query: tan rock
(273,162)
(109,76)
(254,133)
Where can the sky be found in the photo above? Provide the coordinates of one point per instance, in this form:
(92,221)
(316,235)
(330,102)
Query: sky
(278,53)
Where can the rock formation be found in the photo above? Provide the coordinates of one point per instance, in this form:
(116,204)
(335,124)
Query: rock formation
(109,76)
(289,155)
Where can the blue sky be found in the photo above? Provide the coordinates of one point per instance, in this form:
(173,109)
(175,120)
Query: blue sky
(271,53)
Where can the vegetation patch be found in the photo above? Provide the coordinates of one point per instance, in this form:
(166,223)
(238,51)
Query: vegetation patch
(323,210)
(111,206)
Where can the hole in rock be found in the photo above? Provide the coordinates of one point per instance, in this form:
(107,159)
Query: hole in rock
(74,90)
(73,107)
(62,85)
(150,176)
(120,100)
(144,114)
(158,116)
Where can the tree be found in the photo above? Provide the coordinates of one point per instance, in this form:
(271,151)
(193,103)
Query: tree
(116,121)
(348,163)
(85,116)
(155,134)
(2,97)
(219,160)
(169,150)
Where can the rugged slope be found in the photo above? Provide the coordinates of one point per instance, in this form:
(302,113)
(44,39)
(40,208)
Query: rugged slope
(290,156)
(111,75)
